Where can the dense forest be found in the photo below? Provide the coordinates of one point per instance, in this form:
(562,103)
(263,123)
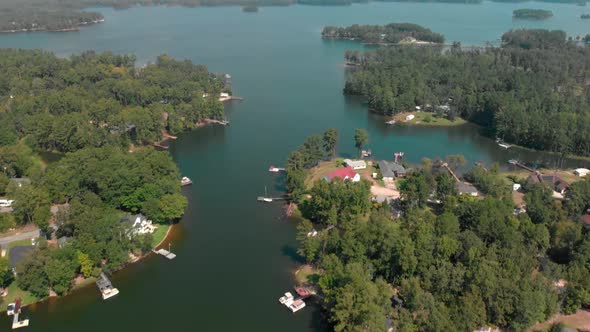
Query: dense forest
(532,91)
(101,114)
(537,14)
(455,266)
(393,33)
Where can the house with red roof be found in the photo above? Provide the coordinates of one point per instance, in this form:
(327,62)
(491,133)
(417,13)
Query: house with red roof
(346,173)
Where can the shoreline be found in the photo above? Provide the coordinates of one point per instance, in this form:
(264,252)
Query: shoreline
(70,29)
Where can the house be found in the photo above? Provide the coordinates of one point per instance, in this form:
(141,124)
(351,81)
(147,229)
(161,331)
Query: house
(18,253)
(556,183)
(410,117)
(139,225)
(62,241)
(346,173)
(581,172)
(586,220)
(390,170)
(355,164)
(467,189)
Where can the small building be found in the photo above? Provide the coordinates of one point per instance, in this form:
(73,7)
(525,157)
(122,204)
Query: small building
(18,254)
(467,189)
(581,172)
(346,173)
(410,117)
(355,164)
(391,170)
(516,187)
(139,225)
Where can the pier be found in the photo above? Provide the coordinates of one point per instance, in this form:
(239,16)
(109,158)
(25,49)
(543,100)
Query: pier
(16,323)
(517,163)
(166,253)
(160,146)
(270,199)
(106,288)
(221,122)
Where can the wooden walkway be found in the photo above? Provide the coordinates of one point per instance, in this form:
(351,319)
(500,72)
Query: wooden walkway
(165,253)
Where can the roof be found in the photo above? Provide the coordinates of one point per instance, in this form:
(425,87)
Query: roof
(586,219)
(62,240)
(389,169)
(132,218)
(17,254)
(465,188)
(355,163)
(556,181)
(343,173)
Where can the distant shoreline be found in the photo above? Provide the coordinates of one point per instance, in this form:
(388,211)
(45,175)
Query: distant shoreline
(71,29)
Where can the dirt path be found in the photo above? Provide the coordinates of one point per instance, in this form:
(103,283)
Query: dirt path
(580,320)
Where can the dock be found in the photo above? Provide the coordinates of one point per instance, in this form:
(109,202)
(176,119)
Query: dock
(160,146)
(221,122)
(165,253)
(270,199)
(274,169)
(517,163)
(16,322)
(106,288)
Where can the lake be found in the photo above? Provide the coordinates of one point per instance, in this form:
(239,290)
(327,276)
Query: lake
(236,256)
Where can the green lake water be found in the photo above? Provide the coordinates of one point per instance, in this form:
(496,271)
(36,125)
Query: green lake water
(235,256)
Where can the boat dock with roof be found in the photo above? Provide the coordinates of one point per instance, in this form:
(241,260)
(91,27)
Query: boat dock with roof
(106,288)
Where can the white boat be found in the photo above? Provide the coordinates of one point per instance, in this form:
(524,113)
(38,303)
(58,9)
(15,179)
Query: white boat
(287,298)
(504,145)
(390,122)
(109,292)
(185,181)
(297,305)
(10,309)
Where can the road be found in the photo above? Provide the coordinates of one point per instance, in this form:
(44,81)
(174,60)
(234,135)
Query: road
(22,236)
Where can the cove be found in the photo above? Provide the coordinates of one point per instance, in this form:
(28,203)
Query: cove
(235,256)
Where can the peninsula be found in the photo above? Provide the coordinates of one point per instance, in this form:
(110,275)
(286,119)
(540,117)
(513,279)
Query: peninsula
(110,196)
(394,33)
(536,14)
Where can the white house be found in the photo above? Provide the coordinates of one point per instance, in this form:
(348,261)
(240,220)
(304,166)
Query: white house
(410,117)
(139,225)
(346,173)
(355,164)
(581,172)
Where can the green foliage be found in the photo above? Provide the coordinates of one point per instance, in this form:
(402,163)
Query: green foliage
(361,138)
(86,266)
(391,33)
(166,209)
(524,91)
(93,100)
(6,221)
(31,205)
(538,14)
(6,275)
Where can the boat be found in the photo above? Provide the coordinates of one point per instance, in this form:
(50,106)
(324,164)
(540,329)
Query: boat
(10,309)
(390,122)
(297,305)
(286,299)
(513,161)
(504,145)
(185,181)
(274,169)
(265,198)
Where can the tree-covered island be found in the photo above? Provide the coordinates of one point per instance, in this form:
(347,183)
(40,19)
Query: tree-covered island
(448,255)
(531,91)
(536,14)
(101,114)
(394,33)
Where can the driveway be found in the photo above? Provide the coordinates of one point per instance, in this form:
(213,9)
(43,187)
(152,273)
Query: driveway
(17,237)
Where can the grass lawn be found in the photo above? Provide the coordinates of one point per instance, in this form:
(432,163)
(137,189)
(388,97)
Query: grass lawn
(428,119)
(307,274)
(321,170)
(567,175)
(159,234)
(13,293)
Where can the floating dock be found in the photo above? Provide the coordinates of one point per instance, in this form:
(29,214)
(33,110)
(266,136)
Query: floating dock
(270,199)
(165,253)
(106,288)
(16,310)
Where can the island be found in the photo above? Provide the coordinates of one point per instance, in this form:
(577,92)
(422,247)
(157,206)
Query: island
(506,101)
(536,14)
(108,197)
(585,16)
(394,33)
(446,247)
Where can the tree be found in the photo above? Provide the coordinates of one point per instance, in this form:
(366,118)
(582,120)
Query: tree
(445,186)
(166,209)
(6,275)
(361,138)
(456,161)
(86,266)
(31,205)
(330,141)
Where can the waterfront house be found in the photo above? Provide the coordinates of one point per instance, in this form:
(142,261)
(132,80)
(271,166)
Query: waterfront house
(467,189)
(346,173)
(555,182)
(391,170)
(355,164)
(410,117)
(138,224)
(581,172)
